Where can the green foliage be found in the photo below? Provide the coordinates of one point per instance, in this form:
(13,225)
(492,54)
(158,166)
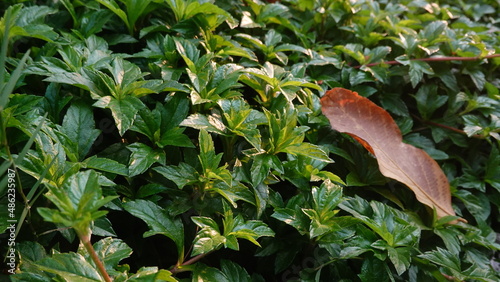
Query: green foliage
(185,139)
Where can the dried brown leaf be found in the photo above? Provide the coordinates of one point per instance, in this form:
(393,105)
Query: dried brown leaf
(376,130)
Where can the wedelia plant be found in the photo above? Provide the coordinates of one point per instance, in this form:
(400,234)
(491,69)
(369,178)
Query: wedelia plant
(217,140)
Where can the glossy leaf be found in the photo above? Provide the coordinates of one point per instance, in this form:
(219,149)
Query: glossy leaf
(143,157)
(322,214)
(210,123)
(124,110)
(235,271)
(205,273)
(107,165)
(159,222)
(374,269)
(444,258)
(151,274)
(79,125)
(112,251)
(209,237)
(78,201)
(71,265)
(181,175)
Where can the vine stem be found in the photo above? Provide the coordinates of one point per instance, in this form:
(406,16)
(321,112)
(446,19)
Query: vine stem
(433,59)
(447,127)
(85,238)
(178,268)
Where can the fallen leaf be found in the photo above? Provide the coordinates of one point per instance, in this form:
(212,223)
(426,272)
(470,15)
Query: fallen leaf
(375,129)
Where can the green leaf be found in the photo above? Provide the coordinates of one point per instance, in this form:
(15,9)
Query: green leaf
(159,222)
(283,131)
(206,222)
(450,237)
(234,192)
(124,110)
(78,201)
(492,173)
(257,227)
(7,88)
(175,137)
(446,259)
(290,47)
(433,30)
(29,21)
(477,204)
(427,145)
(293,217)
(428,101)
(94,21)
(417,70)
(309,150)
(69,265)
(377,54)
(208,159)
(202,122)
(352,50)
(205,273)
(474,124)
(261,166)
(234,271)
(326,197)
(102,227)
(400,258)
(243,121)
(143,157)
(150,189)
(151,274)
(181,175)
(31,251)
(111,251)
(174,111)
(392,226)
(361,243)
(261,192)
(208,238)
(22,103)
(107,165)
(113,6)
(322,215)
(27,276)
(135,9)
(317,227)
(237,227)
(147,122)
(374,269)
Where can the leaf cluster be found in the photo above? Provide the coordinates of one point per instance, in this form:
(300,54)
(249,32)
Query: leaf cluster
(184,140)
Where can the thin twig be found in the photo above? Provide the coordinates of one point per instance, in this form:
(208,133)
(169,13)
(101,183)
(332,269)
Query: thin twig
(433,59)
(447,127)
(178,268)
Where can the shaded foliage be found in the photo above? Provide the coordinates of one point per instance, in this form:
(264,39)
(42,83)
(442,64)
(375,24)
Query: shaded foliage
(200,122)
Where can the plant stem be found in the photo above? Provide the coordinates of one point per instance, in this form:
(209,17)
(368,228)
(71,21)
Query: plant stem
(85,239)
(447,127)
(178,268)
(433,59)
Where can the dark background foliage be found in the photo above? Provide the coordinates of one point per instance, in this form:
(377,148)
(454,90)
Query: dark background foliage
(200,125)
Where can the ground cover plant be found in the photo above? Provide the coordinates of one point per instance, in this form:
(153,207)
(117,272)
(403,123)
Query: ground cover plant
(169,140)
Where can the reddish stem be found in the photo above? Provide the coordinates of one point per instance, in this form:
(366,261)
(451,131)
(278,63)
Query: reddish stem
(434,59)
(448,277)
(177,268)
(90,249)
(447,127)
